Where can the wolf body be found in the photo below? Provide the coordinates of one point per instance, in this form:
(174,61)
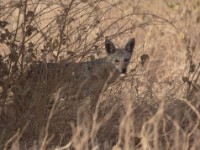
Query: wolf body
(77,80)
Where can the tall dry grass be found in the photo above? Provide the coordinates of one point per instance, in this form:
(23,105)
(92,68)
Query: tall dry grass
(154,106)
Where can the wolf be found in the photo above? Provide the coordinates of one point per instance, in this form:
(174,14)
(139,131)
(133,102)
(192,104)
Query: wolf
(93,77)
(74,80)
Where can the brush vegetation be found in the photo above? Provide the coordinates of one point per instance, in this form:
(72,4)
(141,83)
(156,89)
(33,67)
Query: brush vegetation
(154,106)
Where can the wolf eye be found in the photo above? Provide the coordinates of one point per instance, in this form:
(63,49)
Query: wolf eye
(116,60)
(126,60)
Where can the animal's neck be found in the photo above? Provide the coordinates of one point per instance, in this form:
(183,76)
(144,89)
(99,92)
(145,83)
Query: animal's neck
(111,72)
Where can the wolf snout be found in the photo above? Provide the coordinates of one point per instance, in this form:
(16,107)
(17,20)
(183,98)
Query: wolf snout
(124,71)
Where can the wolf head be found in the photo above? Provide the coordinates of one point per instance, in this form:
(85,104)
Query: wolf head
(119,57)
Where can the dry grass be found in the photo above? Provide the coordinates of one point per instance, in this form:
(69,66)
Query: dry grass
(154,106)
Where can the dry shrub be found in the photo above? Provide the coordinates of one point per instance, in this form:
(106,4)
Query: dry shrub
(154,106)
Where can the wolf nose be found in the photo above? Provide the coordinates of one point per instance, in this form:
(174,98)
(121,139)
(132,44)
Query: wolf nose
(123,70)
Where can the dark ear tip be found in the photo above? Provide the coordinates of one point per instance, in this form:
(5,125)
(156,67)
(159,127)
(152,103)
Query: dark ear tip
(107,40)
(132,40)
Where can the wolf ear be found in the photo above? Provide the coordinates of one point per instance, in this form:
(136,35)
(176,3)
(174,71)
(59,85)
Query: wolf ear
(110,47)
(130,45)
